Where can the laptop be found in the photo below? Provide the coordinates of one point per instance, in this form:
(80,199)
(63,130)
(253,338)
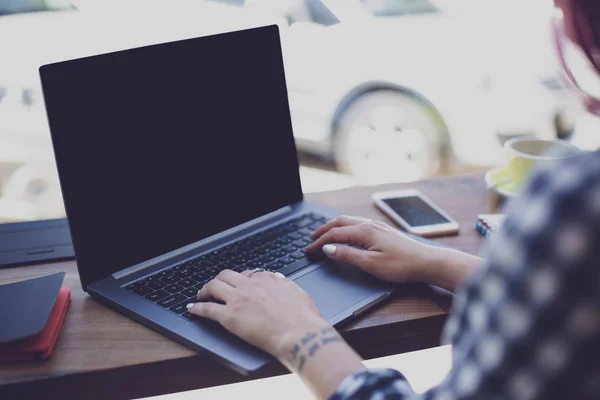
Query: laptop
(177,161)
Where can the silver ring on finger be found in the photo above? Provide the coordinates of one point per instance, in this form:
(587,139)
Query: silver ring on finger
(255,270)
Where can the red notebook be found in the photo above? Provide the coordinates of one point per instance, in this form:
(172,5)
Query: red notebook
(40,346)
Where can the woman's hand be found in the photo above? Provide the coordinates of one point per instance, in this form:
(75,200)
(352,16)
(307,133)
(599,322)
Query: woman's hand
(389,254)
(386,253)
(276,315)
(266,309)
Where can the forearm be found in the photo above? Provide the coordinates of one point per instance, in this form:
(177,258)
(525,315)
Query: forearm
(320,357)
(448,268)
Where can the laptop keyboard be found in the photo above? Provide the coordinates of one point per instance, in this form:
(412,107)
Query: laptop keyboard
(281,248)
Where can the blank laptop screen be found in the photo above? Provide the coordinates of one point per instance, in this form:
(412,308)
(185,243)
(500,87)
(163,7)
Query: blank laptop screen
(161,146)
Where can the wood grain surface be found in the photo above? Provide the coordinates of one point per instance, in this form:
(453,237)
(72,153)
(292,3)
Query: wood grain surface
(103,354)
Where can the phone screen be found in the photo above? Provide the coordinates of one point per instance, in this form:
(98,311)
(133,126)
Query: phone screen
(415,211)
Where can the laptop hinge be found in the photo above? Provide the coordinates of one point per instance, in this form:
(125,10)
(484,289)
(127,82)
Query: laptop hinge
(138,267)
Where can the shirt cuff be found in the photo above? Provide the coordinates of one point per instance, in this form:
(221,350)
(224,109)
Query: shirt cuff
(368,383)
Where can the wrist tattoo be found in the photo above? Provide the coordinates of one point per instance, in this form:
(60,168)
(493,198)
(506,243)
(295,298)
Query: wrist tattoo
(309,345)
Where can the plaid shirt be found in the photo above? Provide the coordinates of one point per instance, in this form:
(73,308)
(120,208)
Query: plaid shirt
(527,325)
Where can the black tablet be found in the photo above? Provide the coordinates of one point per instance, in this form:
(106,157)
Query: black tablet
(34,242)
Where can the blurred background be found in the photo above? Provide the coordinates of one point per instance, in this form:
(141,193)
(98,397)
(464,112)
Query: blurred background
(380,90)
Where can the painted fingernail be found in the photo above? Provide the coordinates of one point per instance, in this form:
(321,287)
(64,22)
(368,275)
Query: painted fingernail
(190,305)
(329,249)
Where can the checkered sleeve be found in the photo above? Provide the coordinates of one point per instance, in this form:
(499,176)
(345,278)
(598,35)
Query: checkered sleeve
(527,324)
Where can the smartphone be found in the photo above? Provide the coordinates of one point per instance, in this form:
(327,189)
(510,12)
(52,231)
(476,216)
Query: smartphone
(415,213)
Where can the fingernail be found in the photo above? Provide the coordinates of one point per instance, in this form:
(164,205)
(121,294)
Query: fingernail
(190,305)
(198,294)
(329,249)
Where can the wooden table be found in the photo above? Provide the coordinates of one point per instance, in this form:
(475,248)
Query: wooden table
(102,354)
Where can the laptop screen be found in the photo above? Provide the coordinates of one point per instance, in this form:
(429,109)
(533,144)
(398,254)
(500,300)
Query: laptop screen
(161,146)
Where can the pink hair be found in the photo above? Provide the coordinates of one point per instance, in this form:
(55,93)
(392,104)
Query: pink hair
(574,22)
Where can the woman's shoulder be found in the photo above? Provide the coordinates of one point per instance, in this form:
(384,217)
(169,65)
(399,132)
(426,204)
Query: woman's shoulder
(569,177)
(561,193)
(585,164)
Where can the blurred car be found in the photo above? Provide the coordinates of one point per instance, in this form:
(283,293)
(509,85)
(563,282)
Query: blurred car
(395,90)
(29,187)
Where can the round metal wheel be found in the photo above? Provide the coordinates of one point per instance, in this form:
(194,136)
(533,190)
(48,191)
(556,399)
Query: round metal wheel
(387,136)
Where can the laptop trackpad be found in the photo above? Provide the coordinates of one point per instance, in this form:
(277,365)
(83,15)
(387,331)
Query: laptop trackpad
(336,288)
